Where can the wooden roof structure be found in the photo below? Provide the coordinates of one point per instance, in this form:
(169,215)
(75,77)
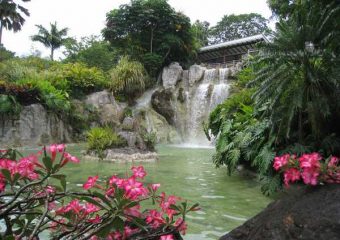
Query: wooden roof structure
(229,51)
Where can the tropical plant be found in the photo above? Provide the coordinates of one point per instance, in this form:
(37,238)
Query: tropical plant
(237,26)
(150,140)
(53,38)
(35,198)
(150,26)
(9,105)
(299,80)
(11,16)
(128,77)
(100,139)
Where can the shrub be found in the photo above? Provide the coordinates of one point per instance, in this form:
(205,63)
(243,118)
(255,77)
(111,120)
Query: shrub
(82,79)
(9,105)
(34,198)
(100,139)
(150,140)
(128,77)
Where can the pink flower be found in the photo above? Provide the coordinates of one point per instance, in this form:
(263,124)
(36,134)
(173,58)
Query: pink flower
(60,147)
(114,236)
(74,206)
(51,206)
(281,161)
(167,237)
(181,226)
(91,208)
(154,218)
(291,175)
(138,172)
(94,238)
(91,181)
(134,211)
(310,176)
(129,231)
(110,192)
(95,220)
(333,161)
(118,181)
(69,157)
(2,186)
(134,189)
(155,186)
(310,160)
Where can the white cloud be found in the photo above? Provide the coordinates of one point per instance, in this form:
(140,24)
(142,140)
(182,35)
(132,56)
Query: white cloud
(87,17)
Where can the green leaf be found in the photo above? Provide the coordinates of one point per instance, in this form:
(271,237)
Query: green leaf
(91,200)
(103,198)
(7,175)
(61,178)
(193,207)
(47,162)
(117,223)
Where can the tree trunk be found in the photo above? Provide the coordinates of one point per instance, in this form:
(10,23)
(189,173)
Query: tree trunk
(0,34)
(52,53)
(151,41)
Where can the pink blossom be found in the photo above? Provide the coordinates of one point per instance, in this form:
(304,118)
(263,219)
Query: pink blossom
(281,161)
(51,206)
(91,181)
(69,157)
(310,160)
(91,208)
(310,176)
(181,226)
(333,161)
(95,220)
(129,231)
(74,206)
(114,236)
(291,175)
(110,192)
(2,186)
(133,211)
(167,237)
(138,172)
(118,181)
(134,189)
(154,218)
(94,238)
(155,186)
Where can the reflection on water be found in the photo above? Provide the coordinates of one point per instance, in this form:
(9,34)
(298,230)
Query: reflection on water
(226,202)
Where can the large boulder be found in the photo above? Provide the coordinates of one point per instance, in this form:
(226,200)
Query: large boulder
(171,75)
(109,110)
(306,214)
(196,73)
(161,101)
(33,126)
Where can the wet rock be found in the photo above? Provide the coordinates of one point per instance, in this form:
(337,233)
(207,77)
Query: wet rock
(305,213)
(171,75)
(161,101)
(124,155)
(196,73)
(130,137)
(128,124)
(33,126)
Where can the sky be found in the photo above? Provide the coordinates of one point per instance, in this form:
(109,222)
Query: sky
(87,17)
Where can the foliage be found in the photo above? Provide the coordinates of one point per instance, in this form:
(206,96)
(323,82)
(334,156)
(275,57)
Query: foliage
(100,139)
(11,16)
(238,26)
(53,38)
(35,198)
(128,77)
(82,79)
(9,105)
(311,168)
(5,54)
(91,51)
(150,26)
(150,140)
(200,31)
(299,80)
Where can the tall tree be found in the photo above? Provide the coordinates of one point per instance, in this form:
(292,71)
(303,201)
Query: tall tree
(238,26)
(200,31)
(150,31)
(53,38)
(11,16)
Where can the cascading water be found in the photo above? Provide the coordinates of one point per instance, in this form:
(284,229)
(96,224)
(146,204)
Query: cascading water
(213,90)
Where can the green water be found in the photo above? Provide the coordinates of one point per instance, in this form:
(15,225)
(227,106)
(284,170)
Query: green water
(226,202)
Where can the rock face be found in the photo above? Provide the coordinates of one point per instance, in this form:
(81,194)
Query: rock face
(196,73)
(33,126)
(110,111)
(161,101)
(171,75)
(307,214)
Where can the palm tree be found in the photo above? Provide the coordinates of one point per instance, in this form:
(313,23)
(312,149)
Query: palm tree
(299,79)
(53,38)
(11,15)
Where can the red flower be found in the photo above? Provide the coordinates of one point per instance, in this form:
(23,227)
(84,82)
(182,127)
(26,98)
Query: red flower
(291,175)
(91,181)
(281,161)
(138,172)
(167,237)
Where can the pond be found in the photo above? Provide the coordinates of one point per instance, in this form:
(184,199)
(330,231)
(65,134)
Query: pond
(225,201)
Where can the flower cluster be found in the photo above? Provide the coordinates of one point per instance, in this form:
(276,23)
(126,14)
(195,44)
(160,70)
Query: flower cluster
(311,168)
(108,209)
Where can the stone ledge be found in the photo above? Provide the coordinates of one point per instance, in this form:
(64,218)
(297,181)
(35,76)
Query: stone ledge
(124,155)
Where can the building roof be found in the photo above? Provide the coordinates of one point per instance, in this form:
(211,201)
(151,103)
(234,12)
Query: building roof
(241,41)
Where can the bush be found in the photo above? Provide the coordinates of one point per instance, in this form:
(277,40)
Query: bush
(100,139)
(9,105)
(35,198)
(82,79)
(128,78)
(150,140)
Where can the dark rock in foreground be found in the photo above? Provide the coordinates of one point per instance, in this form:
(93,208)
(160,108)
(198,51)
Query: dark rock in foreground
(307,213)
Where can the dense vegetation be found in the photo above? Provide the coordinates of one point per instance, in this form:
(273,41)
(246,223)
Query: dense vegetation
(290,103)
